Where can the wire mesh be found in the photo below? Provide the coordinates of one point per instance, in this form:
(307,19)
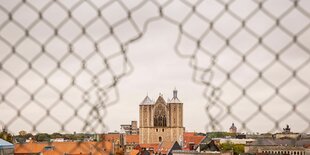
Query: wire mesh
(252,54)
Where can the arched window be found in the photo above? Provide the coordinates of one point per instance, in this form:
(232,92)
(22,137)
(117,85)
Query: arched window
(160,118)
(164,121)
(159,139)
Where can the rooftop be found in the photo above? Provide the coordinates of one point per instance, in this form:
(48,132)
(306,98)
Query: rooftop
(147,101)
(160,99)
(59,148)
(5,144)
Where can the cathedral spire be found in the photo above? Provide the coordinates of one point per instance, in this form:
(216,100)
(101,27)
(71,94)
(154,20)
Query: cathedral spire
(175,93)
(175,97)
(146,101)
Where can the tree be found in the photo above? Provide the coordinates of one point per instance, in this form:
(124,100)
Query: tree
(56,135)
(42,137)
(28,135)
(220,134)
(6,136)
(22,133)
(236,148)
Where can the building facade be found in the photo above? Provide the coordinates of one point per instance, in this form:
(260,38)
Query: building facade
(130,129)
(161,121)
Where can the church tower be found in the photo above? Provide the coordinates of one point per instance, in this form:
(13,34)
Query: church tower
(160,121)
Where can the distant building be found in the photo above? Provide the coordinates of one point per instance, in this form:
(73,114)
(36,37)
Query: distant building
(120,141)
(6,148)
(130,141)
(278,146)
(191,140)
(233,128)
(207,146)
(161,121)
(287,134)
(130,129)
(287,129)
(233,140)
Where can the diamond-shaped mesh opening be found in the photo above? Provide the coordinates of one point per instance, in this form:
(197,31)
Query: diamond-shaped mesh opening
(244,75)
(25,16)
(12,33)
(243,12)
(15,65)
(294,90)
(211,9)
(260,91)
(114,13)
(224,20)
(195,26)
(280,113)
(277,74)
(246,107)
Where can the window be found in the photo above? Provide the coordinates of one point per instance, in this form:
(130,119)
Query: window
(160,116)
(47,148)
(159,139)
(191,146)
(156,130)
(163,130)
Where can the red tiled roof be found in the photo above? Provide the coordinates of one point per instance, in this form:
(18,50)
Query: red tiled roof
(71,148)
(191,138)
(153,147)
(111,137)
(163,148)
(132,139)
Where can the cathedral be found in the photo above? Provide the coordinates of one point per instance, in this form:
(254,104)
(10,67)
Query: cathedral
(161,121)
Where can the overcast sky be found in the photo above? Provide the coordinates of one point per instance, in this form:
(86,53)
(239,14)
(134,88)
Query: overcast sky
(156,66)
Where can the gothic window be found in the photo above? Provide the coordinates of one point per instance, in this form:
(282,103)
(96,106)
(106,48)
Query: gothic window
(160,116)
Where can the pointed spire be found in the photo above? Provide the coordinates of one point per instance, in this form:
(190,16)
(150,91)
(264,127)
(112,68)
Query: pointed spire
(175,97)
(147,100)
(160,99)
(175,93)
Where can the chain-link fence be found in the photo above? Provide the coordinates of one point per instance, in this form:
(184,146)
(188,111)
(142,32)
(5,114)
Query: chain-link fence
(63,60)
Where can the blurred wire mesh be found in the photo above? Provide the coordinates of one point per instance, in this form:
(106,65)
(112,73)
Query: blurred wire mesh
(64,59)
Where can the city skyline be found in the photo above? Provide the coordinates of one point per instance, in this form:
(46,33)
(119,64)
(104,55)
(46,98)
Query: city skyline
(86,66)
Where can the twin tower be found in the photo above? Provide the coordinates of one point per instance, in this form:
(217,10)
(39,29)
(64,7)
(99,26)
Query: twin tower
(161,121)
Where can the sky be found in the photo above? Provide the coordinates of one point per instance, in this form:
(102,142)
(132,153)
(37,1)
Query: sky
(159,60)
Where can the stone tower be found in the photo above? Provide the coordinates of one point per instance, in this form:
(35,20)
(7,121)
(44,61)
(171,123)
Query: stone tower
(233,128)
(161,121)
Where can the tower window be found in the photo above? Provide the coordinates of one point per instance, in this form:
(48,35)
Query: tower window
(160,117)
(159,139)
(156,130)
(163,130)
